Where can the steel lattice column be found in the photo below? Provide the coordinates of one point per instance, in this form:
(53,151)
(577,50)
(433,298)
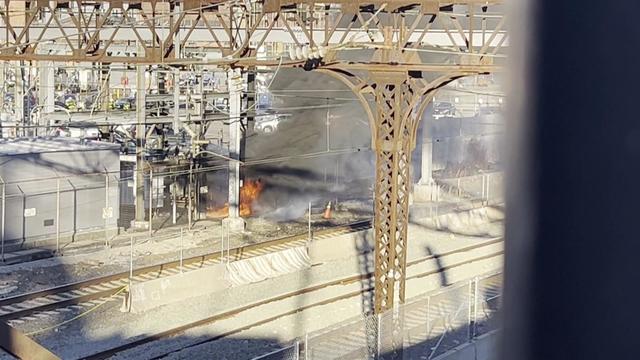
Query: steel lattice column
(394,142)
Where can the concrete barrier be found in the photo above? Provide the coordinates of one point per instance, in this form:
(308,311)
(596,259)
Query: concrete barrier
(341,247)
(153,293)
(268,266)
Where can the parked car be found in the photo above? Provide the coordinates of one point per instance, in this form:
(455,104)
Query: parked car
(125,103)
(268,122)
(444,109)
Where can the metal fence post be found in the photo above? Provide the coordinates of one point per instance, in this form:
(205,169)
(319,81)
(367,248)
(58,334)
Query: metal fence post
(190,212)
(296,347)
(428,317)
(487,193)
(379,336)
(130,271)
(469,310)
(106,208)
(130,258)
(58,215)
(307,354)
(174,209)
(309,225)
(181,249)
(337,170)
(475,307)
(150,202)
(4,195)
(221,242)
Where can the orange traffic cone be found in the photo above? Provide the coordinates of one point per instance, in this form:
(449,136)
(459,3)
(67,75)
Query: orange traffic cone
(327,211)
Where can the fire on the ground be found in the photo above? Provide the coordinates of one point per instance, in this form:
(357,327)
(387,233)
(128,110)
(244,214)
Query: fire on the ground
(249,193)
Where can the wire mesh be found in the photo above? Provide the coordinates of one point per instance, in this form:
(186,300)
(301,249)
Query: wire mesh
(426,327)
(291,352)
(488,302)
(355,338)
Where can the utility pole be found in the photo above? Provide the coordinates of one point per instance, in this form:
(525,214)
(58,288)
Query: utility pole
(140,143)
(46,90)
(19,99)
(234,83)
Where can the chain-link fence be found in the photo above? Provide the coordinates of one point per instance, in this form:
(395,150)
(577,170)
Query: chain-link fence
(486,188)
(291,352)
(76,203)
(424,328)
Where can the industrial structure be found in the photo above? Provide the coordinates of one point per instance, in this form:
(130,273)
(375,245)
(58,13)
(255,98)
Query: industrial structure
(148,109)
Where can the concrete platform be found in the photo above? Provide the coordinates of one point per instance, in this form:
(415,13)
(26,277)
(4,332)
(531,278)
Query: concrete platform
(154,293)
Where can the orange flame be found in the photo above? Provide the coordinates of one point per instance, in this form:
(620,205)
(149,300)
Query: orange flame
(249,193)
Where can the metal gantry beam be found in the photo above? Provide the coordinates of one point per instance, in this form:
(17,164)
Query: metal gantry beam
(108,31)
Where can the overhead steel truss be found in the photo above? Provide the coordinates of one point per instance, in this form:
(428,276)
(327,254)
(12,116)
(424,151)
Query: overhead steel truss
(394,82)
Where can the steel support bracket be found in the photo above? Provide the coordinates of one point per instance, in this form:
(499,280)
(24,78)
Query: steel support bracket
(191,4)
(22,346)
(430,7)
(271,6)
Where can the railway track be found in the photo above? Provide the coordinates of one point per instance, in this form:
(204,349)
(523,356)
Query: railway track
(91,291)
(299,292)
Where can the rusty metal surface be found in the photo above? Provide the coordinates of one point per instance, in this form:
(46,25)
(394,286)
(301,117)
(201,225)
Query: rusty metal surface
(22,346)
(91,31)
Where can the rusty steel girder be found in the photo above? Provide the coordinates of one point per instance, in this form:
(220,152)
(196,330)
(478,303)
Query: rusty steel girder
(158,32)
(399,104)
(399,100)
(393,158)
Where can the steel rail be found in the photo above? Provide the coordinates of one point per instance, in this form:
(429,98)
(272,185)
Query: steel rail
(159,270)
(347,280)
